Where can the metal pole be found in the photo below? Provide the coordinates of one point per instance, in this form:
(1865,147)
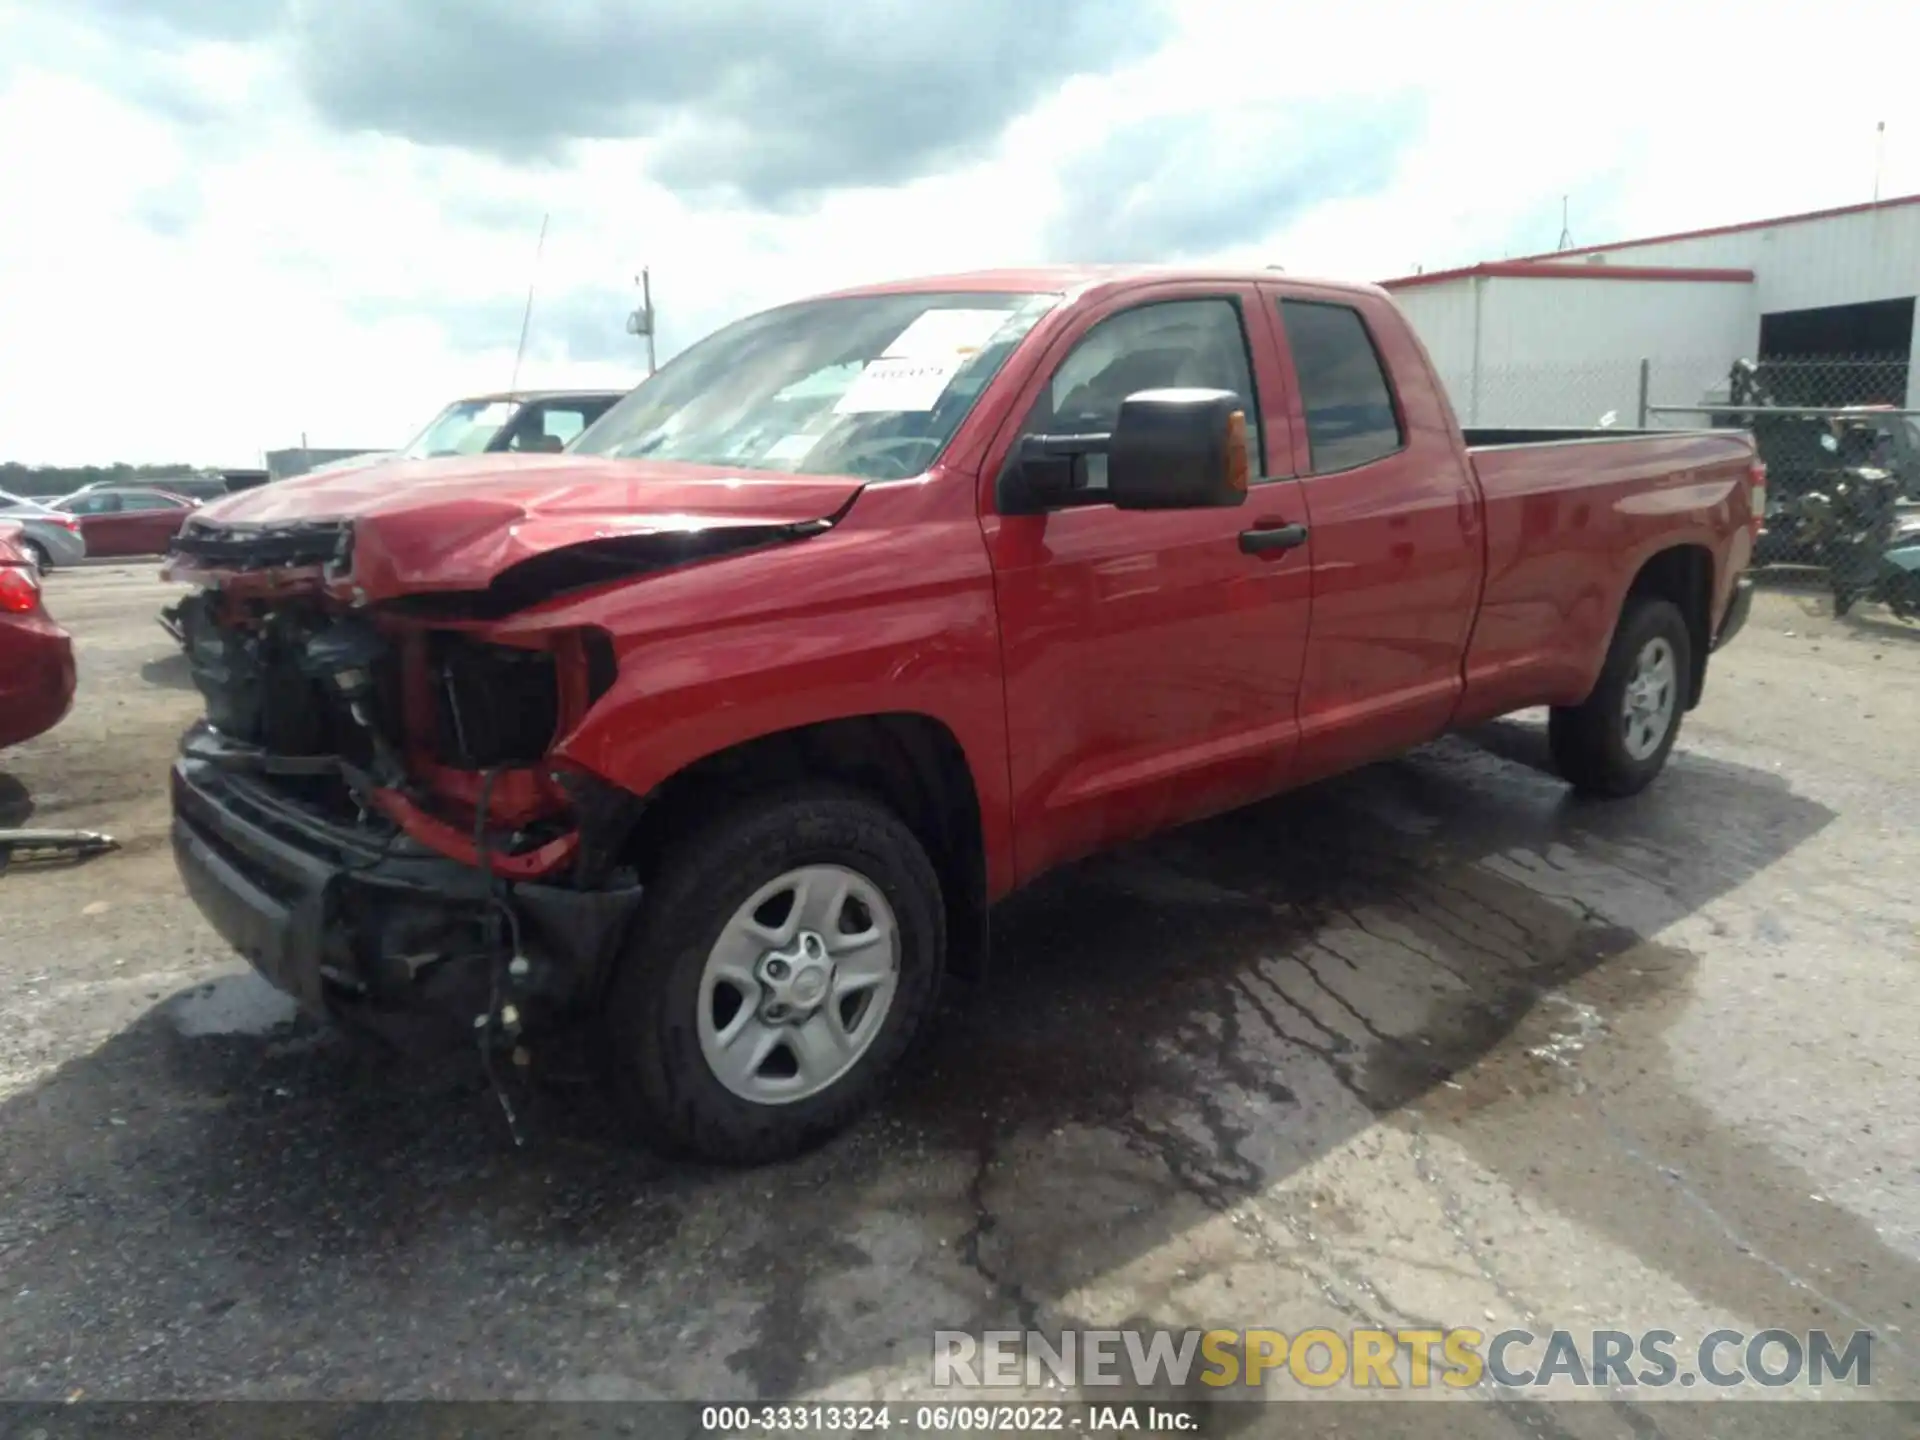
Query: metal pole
(646,304)
(1473,393)
(1646,371)
(526,317)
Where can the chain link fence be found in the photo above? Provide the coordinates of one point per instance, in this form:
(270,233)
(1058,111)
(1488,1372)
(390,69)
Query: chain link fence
(1821,423)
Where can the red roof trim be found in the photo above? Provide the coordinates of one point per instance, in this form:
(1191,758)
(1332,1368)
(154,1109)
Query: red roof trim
(1572,270)
(1893,204)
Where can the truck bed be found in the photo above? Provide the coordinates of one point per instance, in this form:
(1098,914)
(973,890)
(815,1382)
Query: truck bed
(1492,437)
(1562,510)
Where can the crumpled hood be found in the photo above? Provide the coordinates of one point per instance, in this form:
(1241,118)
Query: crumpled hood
(456,524)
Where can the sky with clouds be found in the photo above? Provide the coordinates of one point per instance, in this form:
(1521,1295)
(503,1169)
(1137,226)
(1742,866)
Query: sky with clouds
(229,223)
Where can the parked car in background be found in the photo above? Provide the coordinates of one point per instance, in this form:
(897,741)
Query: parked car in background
(36,656)
(512,422)
(48,537)
(204,487)
(127,520)
(720,732)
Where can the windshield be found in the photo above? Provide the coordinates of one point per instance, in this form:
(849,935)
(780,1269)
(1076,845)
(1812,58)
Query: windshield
(10,501)
(463,428)
(868,385)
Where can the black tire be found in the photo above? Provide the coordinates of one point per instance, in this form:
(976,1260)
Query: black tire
(37,553)
(650,1046)
(1589,748)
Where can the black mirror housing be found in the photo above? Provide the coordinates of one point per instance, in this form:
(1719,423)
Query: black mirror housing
(1182,449)
(1048,472)
(1176,449)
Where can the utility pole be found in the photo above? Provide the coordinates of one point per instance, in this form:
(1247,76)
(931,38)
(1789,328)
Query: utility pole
(640,322)
(1879,156)
(526,316)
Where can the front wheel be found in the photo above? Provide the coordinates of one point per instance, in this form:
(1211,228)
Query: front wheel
(37,553)
(1615,742)
(788,955)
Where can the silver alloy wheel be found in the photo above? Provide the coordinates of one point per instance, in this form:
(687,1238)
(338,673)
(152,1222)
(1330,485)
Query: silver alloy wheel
(1646,713)
(798,984)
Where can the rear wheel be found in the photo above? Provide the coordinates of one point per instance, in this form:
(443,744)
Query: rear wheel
(789,954)
(1619,738)
(37,553)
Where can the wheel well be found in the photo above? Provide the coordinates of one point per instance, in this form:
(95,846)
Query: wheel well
(1684,575)
(911,763)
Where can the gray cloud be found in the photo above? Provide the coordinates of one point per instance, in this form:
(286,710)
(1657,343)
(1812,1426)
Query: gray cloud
(1165,188)
(768,100)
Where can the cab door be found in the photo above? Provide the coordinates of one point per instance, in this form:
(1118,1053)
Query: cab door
(1152,661)
(1399,548)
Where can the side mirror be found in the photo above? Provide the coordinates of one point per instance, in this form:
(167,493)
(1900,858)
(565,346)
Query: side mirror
(1176,449)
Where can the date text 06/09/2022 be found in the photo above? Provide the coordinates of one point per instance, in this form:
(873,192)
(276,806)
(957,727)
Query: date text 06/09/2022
(1080,1419)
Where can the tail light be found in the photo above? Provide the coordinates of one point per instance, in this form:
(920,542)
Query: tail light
(65,522)
(19,591)
(1757,491)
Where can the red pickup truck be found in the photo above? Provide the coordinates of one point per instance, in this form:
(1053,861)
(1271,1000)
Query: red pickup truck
(719,733)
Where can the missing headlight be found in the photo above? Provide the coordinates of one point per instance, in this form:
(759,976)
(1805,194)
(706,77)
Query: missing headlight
(495,704)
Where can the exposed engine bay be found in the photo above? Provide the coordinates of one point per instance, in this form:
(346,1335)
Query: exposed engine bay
(377,811)
(403,714)
(359,717)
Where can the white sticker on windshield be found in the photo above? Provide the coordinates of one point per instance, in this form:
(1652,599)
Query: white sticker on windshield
(941,333)
(895,384)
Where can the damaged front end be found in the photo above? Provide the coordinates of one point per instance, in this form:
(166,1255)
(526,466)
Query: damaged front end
(371,812)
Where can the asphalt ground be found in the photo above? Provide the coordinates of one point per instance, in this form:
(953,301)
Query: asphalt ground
(1430,1044)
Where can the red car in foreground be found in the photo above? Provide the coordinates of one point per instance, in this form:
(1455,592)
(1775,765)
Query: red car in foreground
(36,655)
(719,731)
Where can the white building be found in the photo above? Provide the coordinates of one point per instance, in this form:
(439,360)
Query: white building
(1560,339)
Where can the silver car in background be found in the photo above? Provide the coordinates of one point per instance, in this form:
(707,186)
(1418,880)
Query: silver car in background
(49,537)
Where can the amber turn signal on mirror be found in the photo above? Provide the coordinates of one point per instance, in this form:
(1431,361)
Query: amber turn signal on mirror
(1237,476)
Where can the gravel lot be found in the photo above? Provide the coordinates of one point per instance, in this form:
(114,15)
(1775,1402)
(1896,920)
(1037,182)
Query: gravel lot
(1432,1043)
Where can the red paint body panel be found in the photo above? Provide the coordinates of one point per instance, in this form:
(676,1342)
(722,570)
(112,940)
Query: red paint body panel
(1397,565)
(889,612)
(1568,527)
(37,676)
(1151,669)
(1103,673)
(452,525)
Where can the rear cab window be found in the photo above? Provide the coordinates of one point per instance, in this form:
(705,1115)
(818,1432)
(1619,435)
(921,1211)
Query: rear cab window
(1351,416)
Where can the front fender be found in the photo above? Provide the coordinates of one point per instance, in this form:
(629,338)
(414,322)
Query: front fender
(682,697)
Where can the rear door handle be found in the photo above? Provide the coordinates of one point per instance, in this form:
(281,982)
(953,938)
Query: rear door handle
(1278,537)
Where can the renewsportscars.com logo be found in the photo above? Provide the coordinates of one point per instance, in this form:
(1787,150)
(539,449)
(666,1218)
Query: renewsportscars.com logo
(1457,1359)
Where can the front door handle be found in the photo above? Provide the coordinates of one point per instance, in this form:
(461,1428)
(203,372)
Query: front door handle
(1278,537)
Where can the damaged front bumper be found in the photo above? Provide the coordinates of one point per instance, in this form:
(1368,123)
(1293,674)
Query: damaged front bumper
(364,928)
